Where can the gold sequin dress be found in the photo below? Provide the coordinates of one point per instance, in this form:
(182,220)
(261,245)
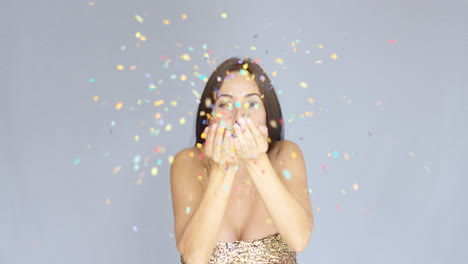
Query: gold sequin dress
(270,249)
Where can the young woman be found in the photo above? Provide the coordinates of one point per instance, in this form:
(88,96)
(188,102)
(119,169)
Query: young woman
(240,194)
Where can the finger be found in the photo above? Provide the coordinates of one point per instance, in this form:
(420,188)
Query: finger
(209,139)
(252,136)
(218,141)
(242,147)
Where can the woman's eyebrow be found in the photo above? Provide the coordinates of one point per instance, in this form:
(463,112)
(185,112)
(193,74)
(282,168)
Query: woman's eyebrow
(247,95)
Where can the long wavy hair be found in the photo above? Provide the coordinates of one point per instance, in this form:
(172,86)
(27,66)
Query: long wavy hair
(274,117)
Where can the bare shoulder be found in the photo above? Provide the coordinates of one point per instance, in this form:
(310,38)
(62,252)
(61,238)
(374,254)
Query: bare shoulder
(192,157)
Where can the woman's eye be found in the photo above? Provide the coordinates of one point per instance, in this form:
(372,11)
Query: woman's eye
(254,105)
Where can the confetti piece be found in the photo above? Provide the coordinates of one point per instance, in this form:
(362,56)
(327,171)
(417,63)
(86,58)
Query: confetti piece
(154,171)
(279,61)
(91,3)
(274,73)
(392,41)
(137,35)
(137,138)
(108,201)
(223,15)
(139,18)
(171,159)
(116,169)
(166,22)
(77,161)
(183,77)
(293,155)
(269,221)
(253,48)
(168,127)
(185,57)
(334,56)
(120,67)
(355,186)
(96,98)
(118,105)
(184,16)
(174,103)
(187,210)
(91,80)
(303,85)
(135,228)
(286,174)
(182,121)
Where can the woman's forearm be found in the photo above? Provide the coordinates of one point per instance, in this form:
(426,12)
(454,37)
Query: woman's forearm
(289,216)
(201,233)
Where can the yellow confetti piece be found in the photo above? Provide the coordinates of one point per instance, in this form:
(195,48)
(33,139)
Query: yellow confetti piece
(223,15)
(269,221)
(311,100)
(343,192)
(166,22)
(191,154)
(182,121)
(183,77)
(184,16)
(138,35)
(143,38)
(120,67)
(273,123)
(279,61)
(157,115)
(185,57)
(196,93)
(355,187)
(303,85)
(334,56)
(274,73)
(96,98)
(118,105)
(253,48)
(346,156)
(174,103)
(199,145)
(132,67)
(168,127)
(160,102)
(108,201)
(139,18)
(137,138)
(203,135)
(170,159)
(293,154)
(154,171)
(116,169)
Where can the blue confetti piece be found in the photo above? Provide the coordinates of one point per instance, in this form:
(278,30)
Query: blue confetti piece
(286,174)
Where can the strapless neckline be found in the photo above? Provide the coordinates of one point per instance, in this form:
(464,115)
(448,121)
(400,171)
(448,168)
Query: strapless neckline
(247,241)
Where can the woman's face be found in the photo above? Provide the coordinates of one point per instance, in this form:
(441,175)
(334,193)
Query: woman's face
(239,97)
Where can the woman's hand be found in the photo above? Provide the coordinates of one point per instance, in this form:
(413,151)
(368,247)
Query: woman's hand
(219,145)
(250,141)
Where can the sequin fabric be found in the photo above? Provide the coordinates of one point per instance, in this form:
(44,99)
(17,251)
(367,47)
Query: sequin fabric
(270,249)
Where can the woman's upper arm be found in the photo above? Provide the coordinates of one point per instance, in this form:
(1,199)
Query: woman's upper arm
(186,189)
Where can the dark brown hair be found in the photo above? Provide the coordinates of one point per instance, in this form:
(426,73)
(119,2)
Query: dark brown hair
(270,100)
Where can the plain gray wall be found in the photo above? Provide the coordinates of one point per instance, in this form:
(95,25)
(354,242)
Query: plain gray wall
(407,155)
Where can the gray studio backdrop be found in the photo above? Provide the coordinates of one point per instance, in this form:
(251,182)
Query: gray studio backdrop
(373,92)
